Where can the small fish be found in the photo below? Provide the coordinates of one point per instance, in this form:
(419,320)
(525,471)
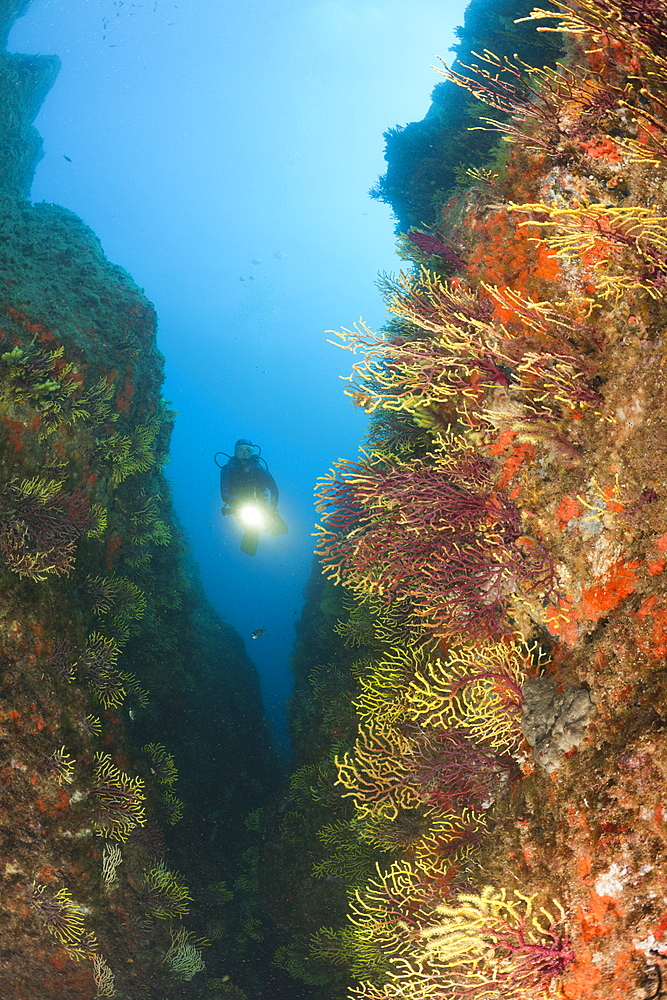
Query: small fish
(257,633)
(68,158)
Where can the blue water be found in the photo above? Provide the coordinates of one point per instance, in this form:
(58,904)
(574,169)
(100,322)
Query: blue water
(223,153)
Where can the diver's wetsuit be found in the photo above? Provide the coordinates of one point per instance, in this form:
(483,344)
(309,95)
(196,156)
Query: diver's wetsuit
(247,479)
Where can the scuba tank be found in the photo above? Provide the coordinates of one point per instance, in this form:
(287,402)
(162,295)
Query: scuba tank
(258,457)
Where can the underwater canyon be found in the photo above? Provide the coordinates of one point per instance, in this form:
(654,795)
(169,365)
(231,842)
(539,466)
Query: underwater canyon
(476,806)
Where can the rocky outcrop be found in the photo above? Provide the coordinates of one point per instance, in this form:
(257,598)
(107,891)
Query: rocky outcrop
(132,739)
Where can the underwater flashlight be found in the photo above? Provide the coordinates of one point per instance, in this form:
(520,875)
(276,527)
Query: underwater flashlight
(252,516)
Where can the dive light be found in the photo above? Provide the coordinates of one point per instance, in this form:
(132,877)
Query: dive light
(252,516)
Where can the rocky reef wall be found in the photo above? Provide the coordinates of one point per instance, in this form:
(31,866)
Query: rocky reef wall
(482,742)
(132,736)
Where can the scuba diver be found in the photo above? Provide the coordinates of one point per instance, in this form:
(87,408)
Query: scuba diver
(249,492)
